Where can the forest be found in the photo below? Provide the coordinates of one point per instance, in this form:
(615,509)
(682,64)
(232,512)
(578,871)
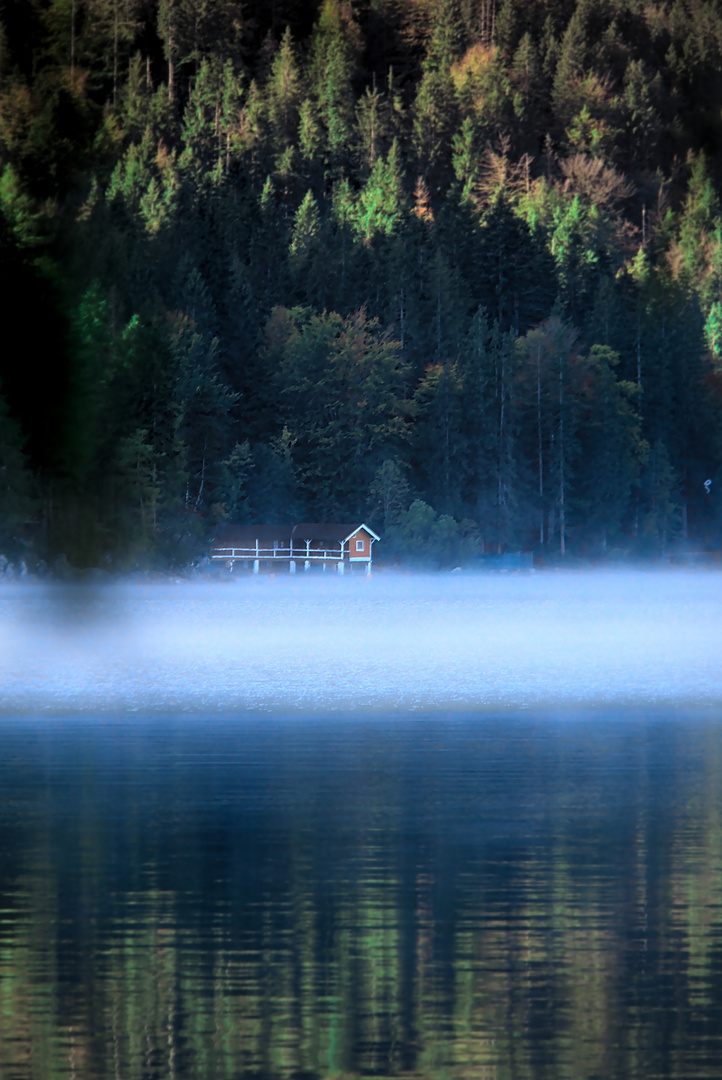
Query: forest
(452,267)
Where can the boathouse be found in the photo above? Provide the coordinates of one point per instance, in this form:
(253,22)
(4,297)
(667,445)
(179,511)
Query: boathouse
(330,546)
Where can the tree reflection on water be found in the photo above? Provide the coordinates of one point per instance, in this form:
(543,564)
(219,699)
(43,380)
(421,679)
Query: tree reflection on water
(455,897)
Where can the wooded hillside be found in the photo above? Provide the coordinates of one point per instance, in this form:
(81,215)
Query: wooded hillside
(450,266)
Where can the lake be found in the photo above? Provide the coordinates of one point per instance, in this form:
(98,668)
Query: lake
(444,827)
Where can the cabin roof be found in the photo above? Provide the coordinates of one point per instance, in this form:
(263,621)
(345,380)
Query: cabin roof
(323,530)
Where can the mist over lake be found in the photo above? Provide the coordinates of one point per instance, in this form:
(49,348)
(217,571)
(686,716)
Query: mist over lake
(428,827)
(419,642)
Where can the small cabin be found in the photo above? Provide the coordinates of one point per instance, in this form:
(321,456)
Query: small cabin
(306,545)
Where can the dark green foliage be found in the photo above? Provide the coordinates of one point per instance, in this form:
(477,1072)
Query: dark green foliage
(457,266)
(273,484)
(447,37)
(205,412)
(422,536)
(516,277)
(335,48)
(18,506)
(340,384)
(389,495)
(611,451)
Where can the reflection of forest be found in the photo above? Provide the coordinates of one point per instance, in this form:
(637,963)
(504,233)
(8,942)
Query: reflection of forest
(585,939)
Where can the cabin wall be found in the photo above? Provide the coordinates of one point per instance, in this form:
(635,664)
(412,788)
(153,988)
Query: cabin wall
(364,555)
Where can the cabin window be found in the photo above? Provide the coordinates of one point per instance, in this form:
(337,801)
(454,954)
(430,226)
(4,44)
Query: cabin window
(359,545)
(275,545)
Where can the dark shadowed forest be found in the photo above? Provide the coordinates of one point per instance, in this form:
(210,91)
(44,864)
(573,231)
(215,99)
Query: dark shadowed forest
(453,267)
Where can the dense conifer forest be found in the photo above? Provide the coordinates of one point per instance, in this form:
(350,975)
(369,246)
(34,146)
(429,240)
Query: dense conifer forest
(453,267)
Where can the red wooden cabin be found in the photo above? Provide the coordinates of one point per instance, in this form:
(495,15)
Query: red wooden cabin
(337,547)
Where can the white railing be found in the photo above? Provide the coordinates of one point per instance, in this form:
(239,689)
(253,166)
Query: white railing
(295,552)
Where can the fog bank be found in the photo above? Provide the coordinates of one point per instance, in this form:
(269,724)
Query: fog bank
(407,642)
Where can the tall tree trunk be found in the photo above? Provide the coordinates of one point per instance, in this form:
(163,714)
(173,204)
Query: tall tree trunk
(438,311)
(171,64)
(115,53)
(140,490)
(72,44)
(203,479)
(501,493)
(487,21)
(562,508)
(539,442)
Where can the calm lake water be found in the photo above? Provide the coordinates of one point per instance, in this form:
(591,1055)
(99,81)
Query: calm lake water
(500,888)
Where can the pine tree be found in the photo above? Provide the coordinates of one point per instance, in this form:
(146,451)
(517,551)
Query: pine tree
(642,99)
(378,120)
(554,371)
(113,25)
(575,241)
(572,63)
(381,202)
(170,33)
(530,95)
(210,132)
(283,94)
(439,446)
(145,477)
(611,450)
(662,520)
(389,494)
(697,222)
(466,154)
(273,485)
(134,97)
(306,229)
(341,383)
(480,377)
(232,490)
(309,131)
(204,412)
(193,298)
(335,53)
(447,38)
(515,276)
(435,118)
(94,365)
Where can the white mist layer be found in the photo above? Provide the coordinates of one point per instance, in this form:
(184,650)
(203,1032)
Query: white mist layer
(406,642)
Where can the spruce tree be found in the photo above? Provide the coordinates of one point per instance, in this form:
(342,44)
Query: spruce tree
(283,94)
(611,451)
(515,276)
(335,54)
(306,229)
(381,202)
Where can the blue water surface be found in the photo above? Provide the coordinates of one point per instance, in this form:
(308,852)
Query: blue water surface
(455,894)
